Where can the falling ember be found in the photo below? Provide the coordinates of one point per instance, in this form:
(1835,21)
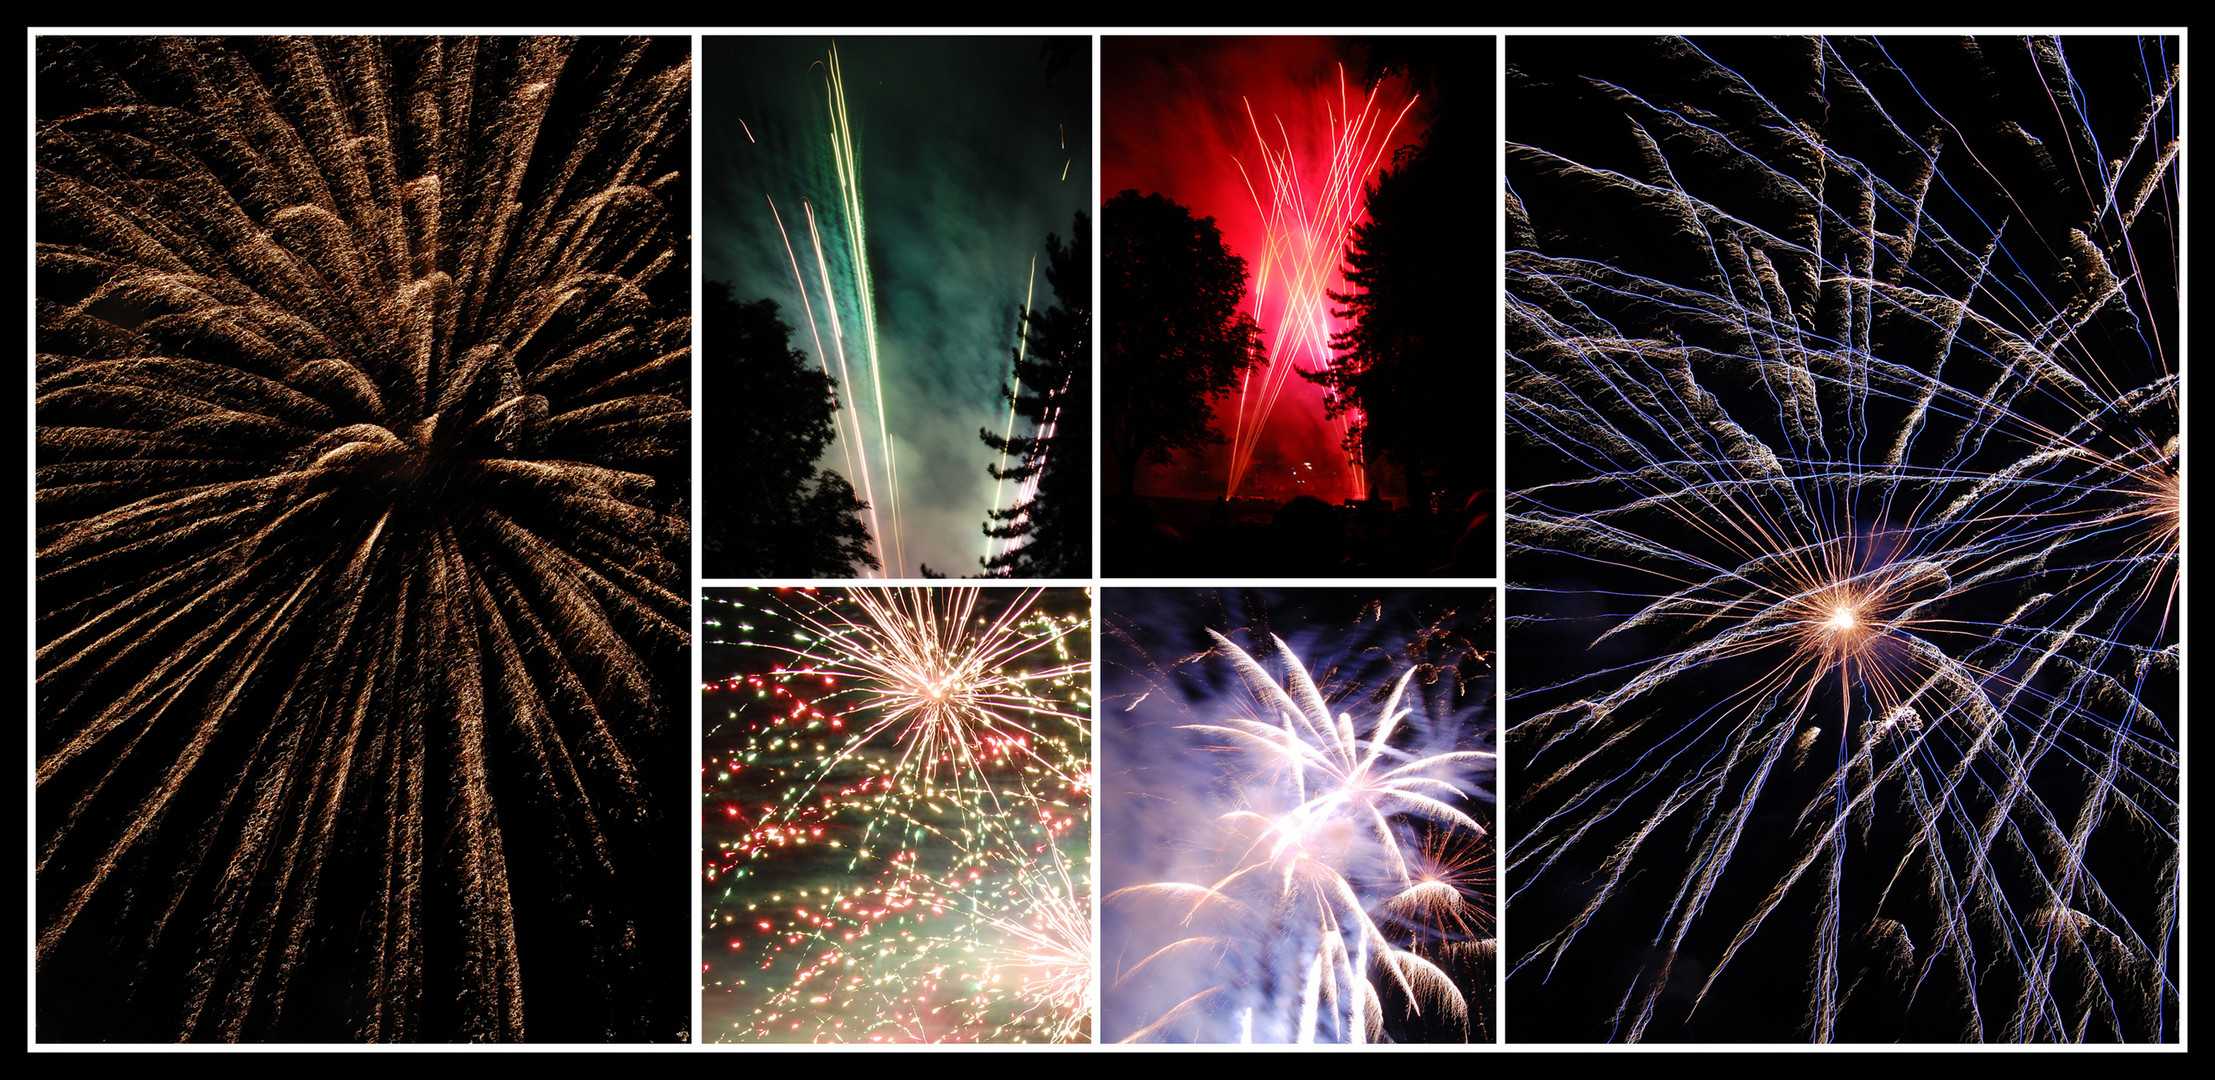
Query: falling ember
(1308,211)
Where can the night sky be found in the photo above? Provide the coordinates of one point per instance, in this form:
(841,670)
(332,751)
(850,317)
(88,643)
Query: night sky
(962,145)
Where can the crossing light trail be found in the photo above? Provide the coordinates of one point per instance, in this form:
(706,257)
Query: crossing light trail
(1308,213)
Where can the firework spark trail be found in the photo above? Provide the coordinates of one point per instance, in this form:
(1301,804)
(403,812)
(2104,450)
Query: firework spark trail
(838,342)
(1043,435)
(938,680)
(1042,432)
(1348,873)
(877,462)
(1921,519)
(936,761)
(1300,262)
(1044,948)
(361,407)
(848,165)
(847,418)
(1029,488)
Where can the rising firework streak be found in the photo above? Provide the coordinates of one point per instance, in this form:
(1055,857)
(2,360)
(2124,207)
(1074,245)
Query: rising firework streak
(1308,216)
(873,461)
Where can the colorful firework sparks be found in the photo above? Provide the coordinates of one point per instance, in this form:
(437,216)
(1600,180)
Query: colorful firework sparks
(1307,218)
(1847,564)
(888,193)
(1342,892)
(361,537)
(1045,949)
(1447,898)
(898,807)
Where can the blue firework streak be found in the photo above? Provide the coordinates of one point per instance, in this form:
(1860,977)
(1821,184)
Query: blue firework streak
(1845,572)
(1298,834)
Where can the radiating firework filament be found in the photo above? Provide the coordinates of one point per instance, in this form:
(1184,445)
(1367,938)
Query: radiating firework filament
(361,535)
(1865,456)
(1328,831)
(938,680)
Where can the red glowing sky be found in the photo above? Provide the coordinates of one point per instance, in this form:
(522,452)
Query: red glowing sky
(1174,120)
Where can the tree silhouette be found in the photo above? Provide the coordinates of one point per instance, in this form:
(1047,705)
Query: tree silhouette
(767,510)
(1054,392)
(1414,371)
(1176,340)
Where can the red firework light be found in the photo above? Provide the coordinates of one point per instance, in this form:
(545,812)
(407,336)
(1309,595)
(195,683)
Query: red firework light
(1275,138)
